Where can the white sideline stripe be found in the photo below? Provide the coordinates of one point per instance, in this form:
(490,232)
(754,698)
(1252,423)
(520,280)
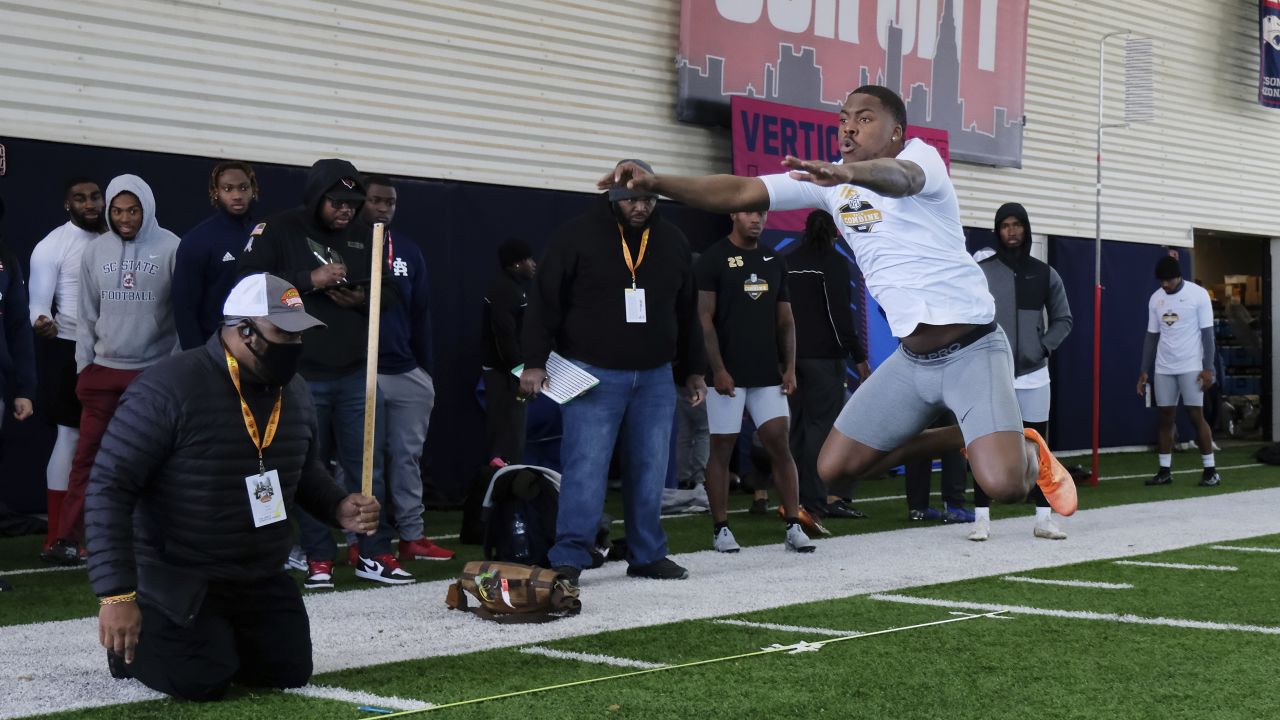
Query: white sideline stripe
(1082,614)
(410,622)
(33,571)
(788,628)
(590,658)
(1246,549)
(1177,566)
(355,697)
(1069,583)
(1179,472)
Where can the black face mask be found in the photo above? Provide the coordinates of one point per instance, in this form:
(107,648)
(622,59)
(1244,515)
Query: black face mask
(278,363)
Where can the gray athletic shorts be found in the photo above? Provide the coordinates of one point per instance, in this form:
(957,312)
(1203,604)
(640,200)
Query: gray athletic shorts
(1167,389)
(906,393)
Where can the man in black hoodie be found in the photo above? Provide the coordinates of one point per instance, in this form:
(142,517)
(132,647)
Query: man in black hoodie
(1024,289)
(503,318)
(326,252)
(615,296)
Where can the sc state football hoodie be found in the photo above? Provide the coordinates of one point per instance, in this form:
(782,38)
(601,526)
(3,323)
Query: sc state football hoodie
(126,314)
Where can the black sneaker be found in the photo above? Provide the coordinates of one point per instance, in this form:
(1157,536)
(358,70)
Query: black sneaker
(62,552)
(1210,479)
(664,569)
(1163,477)
(759,506)
(841,509)
(115,663)
(925,514)
(4,586)
(569,573)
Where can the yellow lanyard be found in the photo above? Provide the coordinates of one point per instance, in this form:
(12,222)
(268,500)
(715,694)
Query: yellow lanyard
(250,423)
(626,253)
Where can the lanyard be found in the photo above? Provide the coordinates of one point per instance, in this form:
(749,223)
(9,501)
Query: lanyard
(626,253)
(250,423)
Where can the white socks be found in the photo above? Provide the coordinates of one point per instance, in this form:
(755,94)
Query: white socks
(1166,459)
(1207,460)
(1042,513)
(58,471)
(982,513)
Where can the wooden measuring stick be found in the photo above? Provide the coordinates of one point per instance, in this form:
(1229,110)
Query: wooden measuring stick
(371,360)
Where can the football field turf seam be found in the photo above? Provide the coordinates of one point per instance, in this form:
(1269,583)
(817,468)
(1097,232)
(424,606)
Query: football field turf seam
(373,626)
(1177,566)
(1246,549)
(354,697)
(787,628)
(1126,618)
(1069,583)
(590,658)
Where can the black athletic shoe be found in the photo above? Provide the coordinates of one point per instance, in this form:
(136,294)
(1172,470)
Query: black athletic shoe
(925,514)
(1210,479)
(759,506)
(664,569)
(4,586)
(840,509)
(116,665)
(1160,478)
(62,552)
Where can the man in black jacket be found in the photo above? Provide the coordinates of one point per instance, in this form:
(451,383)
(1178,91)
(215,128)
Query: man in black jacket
(615,296)
(503,319)
(325,251)
(188,503)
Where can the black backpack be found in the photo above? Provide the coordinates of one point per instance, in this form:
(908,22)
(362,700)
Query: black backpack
(1269,455)
(520,514)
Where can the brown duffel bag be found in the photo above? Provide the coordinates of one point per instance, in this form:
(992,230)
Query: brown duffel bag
(513,593)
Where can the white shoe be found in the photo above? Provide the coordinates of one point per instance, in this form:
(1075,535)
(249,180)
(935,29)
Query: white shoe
(797,541)
(1049,530)
(981,529)
(725,542)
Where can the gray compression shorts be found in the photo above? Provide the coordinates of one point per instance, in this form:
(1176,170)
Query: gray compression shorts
(1168,388)
(908,391)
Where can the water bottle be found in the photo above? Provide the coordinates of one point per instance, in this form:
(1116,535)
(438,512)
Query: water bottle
(519,539)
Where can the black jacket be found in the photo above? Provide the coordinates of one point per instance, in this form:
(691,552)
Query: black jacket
(503,320)
(293,243)
(576,304)
(17,342)
(167,508)
(822,303)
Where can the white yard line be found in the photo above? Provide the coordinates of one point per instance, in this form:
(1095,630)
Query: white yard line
(1178,566)
(1246,549)
(358,628)
(357,698)
(1180,472)
(33,571)
(1069,583)
(788,628)
(590,658)
(1081,614)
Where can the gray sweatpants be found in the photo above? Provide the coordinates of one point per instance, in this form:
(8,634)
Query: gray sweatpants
(693,440)
(409,399)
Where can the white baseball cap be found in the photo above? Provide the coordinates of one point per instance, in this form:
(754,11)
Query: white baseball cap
(267,296)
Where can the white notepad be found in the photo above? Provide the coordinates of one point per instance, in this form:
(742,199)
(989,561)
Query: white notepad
(567,381)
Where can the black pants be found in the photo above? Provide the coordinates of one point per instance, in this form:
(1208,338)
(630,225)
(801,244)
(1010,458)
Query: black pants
(954,475)
(504,416)
(1036,495)
(815,405)
(252,633)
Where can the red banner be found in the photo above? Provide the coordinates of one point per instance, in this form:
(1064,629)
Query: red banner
(959,66)
(765,132)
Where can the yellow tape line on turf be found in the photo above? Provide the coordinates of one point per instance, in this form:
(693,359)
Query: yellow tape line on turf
(801,646)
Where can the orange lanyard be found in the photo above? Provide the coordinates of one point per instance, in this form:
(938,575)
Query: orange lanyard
(626,253)
(250,423)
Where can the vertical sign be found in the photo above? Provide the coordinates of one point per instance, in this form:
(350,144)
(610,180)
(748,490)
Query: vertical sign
(1269,46)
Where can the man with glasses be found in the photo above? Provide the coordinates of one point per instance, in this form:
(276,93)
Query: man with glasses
(206,267)
(325,251)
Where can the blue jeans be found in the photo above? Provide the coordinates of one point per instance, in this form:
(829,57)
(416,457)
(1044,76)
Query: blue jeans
(634,409)
(340,418)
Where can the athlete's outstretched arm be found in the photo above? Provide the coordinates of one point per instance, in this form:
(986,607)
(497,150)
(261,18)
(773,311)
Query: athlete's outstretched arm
(714,193)
(886,176)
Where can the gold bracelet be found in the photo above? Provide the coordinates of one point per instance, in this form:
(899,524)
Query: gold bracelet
(117,599)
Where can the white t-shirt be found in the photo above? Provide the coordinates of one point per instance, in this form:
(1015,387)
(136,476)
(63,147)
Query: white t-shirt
(55,276)
(910,250)
(1179,318)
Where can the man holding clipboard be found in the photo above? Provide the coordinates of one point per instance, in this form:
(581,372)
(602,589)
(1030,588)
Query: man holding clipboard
(615,296)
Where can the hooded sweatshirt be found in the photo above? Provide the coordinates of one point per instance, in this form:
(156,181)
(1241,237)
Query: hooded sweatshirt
(1024,288)
(206,271)
(126,313)
(293,243)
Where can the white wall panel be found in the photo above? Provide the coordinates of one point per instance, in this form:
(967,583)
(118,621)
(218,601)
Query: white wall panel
(549,94)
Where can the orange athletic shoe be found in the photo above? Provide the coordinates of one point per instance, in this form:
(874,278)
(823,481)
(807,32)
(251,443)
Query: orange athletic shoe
(1054,480)
(808,522)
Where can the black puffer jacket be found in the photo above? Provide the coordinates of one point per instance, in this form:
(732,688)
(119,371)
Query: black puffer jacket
(175,458)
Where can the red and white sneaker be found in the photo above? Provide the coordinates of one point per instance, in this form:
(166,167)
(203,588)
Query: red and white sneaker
(319,575)
(423,549)
(384,569)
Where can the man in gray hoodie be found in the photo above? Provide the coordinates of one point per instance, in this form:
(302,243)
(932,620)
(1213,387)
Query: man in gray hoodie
(125,326)
(1025,290)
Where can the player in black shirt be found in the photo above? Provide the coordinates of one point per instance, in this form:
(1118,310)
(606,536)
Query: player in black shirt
(751,350)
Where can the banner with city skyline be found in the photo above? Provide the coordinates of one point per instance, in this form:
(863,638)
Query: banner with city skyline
(959,65)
